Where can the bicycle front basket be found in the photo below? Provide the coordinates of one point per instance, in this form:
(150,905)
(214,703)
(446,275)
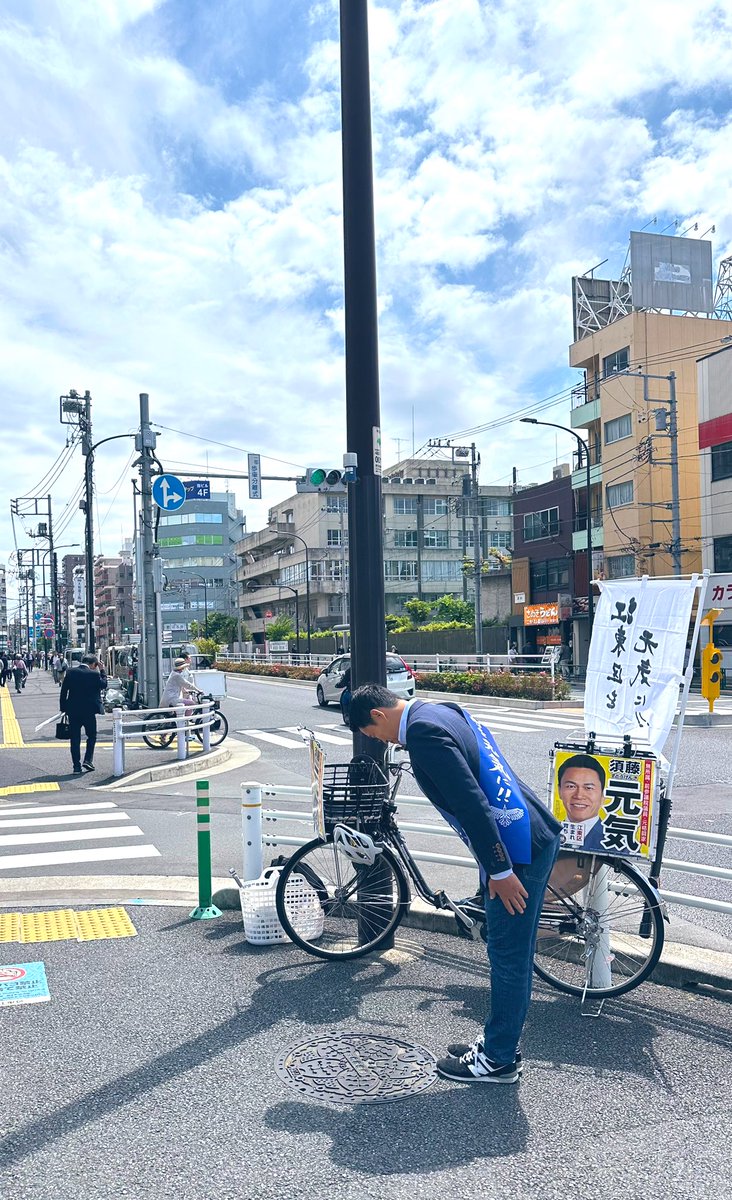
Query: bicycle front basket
(354,793)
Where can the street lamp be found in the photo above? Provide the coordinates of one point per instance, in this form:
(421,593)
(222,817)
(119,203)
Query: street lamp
(296,536)
(205,601)
(586,448)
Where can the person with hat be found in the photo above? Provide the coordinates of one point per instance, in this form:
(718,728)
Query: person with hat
(178,688)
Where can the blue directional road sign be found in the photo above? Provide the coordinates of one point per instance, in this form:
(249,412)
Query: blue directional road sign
(168,492)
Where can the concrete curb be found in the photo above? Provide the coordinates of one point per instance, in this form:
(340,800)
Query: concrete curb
(680,965)
(196,765)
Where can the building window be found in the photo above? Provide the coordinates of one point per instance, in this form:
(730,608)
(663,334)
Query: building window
(619,494)
(499,538)
(405,539)
(442,569)
(405,506)
(550,576)
(334,537)
(491,506)
(466,541)
(335,503)
(619,428)
(541,524)
(402,568)
(436,506)
(619,361)
(722,462)
(723,553)
(192,562)
(436,539)
(334,604)
(620,566)
(192,518)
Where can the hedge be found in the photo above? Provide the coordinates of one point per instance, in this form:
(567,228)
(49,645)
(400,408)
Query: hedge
(473,683)
(497,683)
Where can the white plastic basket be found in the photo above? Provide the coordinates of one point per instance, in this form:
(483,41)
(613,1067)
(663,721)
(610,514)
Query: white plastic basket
(259,910)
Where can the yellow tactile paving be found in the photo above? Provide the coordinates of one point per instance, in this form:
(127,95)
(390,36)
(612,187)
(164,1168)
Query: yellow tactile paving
(55,926)
(9,927)
(63,925)
(104,923)
(23,789)
(11,729)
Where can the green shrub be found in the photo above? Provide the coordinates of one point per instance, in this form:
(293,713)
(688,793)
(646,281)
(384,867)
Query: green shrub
(495,683)
(278,670)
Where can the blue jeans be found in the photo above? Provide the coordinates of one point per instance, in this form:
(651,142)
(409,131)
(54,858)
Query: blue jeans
(511,942)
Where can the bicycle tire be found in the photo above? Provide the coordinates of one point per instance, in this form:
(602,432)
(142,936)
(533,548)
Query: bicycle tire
(628,951)
(160,740)
(312,861)
(217,735)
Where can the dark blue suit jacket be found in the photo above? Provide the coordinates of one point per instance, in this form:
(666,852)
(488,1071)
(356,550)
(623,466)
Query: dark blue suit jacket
(446,762)
(81,691)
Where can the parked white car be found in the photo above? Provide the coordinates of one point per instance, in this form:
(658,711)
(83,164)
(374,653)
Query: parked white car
(399,679)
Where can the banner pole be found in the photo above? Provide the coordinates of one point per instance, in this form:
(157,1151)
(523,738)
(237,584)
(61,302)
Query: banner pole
(206,908)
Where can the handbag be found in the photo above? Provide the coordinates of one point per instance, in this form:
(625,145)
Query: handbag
(63,731)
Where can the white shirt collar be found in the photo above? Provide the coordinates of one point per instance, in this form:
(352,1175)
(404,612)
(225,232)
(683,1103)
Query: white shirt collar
(403,723)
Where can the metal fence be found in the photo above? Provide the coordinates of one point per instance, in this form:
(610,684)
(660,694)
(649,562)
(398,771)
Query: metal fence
(182,720)
(426,662)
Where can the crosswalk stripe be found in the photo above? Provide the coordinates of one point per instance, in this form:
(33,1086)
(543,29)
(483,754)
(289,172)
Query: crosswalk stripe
(54,808)
(274,738)
(69,835)
(11,862)
(324,737)
(26,822)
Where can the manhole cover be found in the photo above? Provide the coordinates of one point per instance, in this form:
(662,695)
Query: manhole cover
(348,1068)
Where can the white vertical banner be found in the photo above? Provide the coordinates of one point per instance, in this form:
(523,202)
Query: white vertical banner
(636,660)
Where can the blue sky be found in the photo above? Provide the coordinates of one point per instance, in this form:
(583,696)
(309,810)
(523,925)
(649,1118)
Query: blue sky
(170,216)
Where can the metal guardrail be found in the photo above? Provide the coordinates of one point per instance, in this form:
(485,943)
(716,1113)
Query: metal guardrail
(182,719)
(422,662)
(703,870)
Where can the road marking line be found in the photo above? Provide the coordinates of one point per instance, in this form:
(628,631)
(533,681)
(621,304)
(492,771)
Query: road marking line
(323,737)
(22,810)
(66,857)
(274,738)
(69,835)
(27,822)
(11,729)
(22,789)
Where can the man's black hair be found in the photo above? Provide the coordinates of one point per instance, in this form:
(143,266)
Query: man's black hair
(587,763)
(366,697)
(90,659)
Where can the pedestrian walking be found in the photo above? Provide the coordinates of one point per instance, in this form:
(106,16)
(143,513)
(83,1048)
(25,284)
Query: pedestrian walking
(3,669)
(460,769)
(80,699)
(20,673)
(56,667)
(29,662)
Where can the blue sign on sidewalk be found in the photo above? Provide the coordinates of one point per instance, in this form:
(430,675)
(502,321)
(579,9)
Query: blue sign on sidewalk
(168,492)
(23,983)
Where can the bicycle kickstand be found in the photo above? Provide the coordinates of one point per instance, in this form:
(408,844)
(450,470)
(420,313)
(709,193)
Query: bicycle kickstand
(471,928)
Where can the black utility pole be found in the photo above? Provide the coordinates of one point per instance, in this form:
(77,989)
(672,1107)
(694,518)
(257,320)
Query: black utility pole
(363,418)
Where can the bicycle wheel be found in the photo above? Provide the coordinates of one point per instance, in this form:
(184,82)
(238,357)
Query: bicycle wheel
(589,940)
(159,736)
(219,730)
(361,905)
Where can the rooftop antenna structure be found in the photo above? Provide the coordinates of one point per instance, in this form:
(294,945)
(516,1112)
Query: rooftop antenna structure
(723,291)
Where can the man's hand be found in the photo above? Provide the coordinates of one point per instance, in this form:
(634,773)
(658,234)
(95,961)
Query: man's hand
(511,892)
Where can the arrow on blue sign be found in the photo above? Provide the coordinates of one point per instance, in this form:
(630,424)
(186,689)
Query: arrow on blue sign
(168,492)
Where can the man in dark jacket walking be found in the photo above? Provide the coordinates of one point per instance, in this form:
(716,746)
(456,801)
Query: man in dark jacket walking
(511,833)
(80,699)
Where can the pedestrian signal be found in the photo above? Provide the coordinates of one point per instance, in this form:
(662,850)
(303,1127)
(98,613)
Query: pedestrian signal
(711,682)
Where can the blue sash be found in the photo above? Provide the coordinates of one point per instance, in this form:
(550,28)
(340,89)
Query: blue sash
(502,790)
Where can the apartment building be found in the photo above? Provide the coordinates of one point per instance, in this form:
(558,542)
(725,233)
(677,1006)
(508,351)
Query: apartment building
(197,546)
(113,616)
(542,571)
(3,608)
(428,533)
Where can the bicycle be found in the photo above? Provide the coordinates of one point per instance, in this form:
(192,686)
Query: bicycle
(602,925)
(160,732)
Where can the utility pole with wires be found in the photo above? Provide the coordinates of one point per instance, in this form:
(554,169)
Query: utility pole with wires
(151,564)
(76,410)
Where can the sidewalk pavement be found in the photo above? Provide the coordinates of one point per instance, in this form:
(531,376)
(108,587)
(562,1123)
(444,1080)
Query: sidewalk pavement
(150,1073)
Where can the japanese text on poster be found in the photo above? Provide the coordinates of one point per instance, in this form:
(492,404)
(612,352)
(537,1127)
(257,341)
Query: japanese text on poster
(607,803)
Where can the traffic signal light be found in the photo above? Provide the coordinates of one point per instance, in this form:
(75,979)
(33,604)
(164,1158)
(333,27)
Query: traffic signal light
(711,681)
(322,479)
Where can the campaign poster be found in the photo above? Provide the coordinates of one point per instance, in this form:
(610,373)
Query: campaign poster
(607,803)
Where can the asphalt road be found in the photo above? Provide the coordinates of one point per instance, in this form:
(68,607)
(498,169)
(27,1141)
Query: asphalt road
(267,709)
(151,1074)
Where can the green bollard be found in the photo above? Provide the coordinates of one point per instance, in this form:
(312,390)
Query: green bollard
(206,910)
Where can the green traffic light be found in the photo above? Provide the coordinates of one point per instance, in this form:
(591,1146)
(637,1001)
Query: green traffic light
(317,476)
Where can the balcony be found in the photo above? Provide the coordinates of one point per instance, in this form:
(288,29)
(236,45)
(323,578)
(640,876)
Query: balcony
(579,470)
(579,532)
(585,401)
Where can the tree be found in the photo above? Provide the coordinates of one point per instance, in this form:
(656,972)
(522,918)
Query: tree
(223,628)
(280,629)
(450,608)
(418,611)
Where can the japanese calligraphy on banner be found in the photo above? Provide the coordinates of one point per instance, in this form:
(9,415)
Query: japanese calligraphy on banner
(317,764)
(636,659)
(607,803)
